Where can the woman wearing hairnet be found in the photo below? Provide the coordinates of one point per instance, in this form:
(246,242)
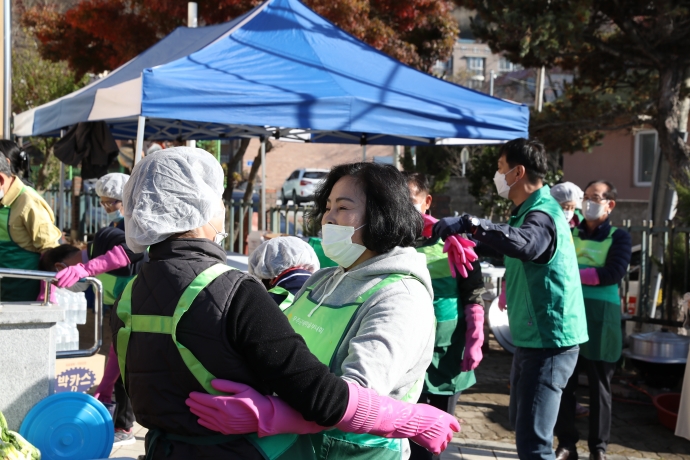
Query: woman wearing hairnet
(283,264)
(569,196)
(109,189)
(371,318)
(188,318)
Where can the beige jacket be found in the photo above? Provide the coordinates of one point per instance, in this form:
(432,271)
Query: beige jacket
(31,223)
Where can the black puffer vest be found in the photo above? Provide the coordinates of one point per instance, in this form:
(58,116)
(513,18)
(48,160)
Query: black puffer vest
(157,379)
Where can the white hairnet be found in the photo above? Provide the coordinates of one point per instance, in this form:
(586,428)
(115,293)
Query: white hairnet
(567,191)
(112,185)
(171,191)
(276,255)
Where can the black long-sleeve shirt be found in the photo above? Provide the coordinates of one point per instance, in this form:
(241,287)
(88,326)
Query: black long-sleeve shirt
(618,257)
(534,240)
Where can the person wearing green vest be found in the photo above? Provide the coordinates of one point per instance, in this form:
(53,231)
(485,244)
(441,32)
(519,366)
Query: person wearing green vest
(546,311)
(371,319)
(459,311)
(27,229)
(603,255)
(188,318)
(283,265)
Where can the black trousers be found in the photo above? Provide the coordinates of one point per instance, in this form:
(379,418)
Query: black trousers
(445,403)
(124,415)
(599,374)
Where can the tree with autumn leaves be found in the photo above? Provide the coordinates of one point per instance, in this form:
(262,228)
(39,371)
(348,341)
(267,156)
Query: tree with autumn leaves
(98,35)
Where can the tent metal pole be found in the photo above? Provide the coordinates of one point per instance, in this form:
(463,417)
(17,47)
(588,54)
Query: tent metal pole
(7,69)
(62,196)
(263,183)
(139,147)
(364,152)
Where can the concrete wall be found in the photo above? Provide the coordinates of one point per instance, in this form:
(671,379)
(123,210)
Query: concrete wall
(455,198)
(613,161)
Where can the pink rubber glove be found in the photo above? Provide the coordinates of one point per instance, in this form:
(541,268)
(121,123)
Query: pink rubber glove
(428,225)
(589,276)
(104,392)
(41,294)
(502,297)
(460,255)
(474,337)
(111,260)
(249,411)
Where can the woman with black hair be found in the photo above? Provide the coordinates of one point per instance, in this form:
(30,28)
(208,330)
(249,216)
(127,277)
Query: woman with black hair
(18,160)
(371,318)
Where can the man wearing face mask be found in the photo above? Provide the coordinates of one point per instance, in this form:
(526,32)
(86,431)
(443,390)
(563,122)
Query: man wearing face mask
(109,189)
(27,230)
(544,297)
(459,311)
(603,255)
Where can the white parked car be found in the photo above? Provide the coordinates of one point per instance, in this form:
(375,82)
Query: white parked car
(301,185)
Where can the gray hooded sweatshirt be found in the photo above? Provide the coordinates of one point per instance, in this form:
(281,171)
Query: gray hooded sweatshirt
(390,343)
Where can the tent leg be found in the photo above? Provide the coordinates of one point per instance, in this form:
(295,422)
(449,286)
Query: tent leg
(139,147)
(364,152)
(62,200)
(263,184)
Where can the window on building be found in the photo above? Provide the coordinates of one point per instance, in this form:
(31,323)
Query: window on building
(645,150)
(504,65)
(475,65)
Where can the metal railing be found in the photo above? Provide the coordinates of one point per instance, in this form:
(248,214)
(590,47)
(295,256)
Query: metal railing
(92,217)
(655,272)
(48,277)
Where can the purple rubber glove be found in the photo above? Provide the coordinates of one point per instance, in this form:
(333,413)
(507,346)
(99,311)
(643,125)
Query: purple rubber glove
(474,337)
(248,411)
(111,260)
(589,276)
(104,392)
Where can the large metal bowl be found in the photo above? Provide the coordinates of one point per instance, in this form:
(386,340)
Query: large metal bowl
(659,347)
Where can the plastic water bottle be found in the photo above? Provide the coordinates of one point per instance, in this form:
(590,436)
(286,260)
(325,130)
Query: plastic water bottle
(81,306)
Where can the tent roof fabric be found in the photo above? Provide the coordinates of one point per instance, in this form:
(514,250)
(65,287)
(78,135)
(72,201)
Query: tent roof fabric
(283,70)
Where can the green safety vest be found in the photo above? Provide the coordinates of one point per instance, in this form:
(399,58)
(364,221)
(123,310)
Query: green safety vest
(443,377)
(283,446)
(289,296)
(602,303)
(14,256)
(324,261)
(545,305)
(324,329)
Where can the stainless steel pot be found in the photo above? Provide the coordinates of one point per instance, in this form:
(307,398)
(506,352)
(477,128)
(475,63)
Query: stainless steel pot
(659,347)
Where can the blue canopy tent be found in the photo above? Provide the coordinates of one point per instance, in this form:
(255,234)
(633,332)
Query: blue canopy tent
(279,70)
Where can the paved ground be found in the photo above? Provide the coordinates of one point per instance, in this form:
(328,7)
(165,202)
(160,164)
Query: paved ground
(486,433)
(636,431)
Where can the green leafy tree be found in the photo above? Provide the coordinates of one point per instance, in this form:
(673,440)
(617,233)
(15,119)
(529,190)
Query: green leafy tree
(482,168)
(36,81)
(630,60)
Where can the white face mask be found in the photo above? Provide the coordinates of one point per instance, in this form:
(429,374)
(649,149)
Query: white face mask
(220,236)
(2,194)
(502,186)
(592,210)
(115,215)
(569,215)
(338,246)
(418,207)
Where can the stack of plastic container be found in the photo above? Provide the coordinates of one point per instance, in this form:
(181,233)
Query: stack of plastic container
(74,305)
